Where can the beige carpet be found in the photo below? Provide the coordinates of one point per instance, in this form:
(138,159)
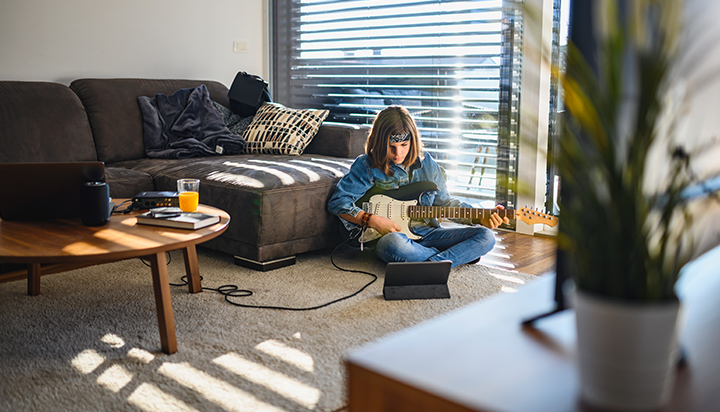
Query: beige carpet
(90,341)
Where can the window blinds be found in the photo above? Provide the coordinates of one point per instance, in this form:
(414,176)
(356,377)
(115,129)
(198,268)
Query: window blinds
(454,64)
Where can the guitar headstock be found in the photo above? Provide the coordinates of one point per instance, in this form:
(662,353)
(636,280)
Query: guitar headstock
(532,217)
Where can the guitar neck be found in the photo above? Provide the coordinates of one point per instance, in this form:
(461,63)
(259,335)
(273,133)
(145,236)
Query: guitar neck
(428,212)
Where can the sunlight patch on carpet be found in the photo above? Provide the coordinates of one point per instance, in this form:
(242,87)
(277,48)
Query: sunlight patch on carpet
(215,390)
(141,354)
(115,378)
(151,399)
(277,382)
(506,289)
(87,361)
(293,356)
(113,340)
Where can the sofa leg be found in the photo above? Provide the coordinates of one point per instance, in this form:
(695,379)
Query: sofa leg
(265,266)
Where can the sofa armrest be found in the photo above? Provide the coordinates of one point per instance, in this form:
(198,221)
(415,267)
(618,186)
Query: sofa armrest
(339,140)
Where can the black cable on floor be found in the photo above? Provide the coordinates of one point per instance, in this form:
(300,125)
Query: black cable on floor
(233,291)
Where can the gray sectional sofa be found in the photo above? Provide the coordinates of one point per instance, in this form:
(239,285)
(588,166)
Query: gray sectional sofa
(277,202)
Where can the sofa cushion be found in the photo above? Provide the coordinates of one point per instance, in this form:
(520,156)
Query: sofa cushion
(43,122)
(276,129)
(114,114)
(339,140)
(126,183)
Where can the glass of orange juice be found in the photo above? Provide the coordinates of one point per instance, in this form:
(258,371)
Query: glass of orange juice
(189,194)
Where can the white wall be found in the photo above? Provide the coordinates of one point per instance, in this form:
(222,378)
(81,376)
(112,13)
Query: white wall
(62,40)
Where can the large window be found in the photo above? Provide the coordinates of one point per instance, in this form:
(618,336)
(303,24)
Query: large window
(454,64)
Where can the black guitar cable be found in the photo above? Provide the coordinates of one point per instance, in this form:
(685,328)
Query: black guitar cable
(230,291)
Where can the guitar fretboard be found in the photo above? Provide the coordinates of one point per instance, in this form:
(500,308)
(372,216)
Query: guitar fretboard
(428,212)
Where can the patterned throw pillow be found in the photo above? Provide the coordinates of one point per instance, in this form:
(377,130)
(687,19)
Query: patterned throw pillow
(276,129)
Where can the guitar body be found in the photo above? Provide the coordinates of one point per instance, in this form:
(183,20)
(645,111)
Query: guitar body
(393,204)
(393,209)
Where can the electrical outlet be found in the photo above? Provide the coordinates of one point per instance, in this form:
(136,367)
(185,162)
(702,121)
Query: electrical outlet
(240,46)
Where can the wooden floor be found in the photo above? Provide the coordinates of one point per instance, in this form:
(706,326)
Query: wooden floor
(513,251)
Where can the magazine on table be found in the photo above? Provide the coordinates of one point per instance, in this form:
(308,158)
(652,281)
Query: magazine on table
(174,217)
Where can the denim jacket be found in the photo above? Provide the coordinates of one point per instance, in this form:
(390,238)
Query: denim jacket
(362,177)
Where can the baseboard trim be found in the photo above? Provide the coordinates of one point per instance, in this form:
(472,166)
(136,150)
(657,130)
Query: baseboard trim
(265,266)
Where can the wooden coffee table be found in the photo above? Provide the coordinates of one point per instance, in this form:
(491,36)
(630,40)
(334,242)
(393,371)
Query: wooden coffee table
(53,246)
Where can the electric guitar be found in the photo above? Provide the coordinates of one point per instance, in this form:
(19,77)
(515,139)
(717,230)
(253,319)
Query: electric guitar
(401,205)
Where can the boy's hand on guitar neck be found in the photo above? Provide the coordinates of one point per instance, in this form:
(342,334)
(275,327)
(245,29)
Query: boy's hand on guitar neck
(494,220)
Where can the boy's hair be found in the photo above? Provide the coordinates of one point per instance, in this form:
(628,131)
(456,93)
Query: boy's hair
(392,120)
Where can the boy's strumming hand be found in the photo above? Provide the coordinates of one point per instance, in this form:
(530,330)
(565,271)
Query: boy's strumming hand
(383,225)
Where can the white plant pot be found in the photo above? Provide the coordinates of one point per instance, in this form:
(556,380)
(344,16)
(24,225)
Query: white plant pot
(627,352)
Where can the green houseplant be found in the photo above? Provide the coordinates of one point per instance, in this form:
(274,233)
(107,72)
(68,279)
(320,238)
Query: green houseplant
(625,223)
(627,241)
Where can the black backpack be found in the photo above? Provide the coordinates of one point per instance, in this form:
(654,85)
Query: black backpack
(247,93)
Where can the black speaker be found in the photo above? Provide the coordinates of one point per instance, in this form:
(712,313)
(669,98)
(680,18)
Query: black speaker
(95,206)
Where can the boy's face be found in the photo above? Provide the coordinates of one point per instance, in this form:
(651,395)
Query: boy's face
(398,151)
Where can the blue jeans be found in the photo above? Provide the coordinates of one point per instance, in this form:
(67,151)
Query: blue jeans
(459,244)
